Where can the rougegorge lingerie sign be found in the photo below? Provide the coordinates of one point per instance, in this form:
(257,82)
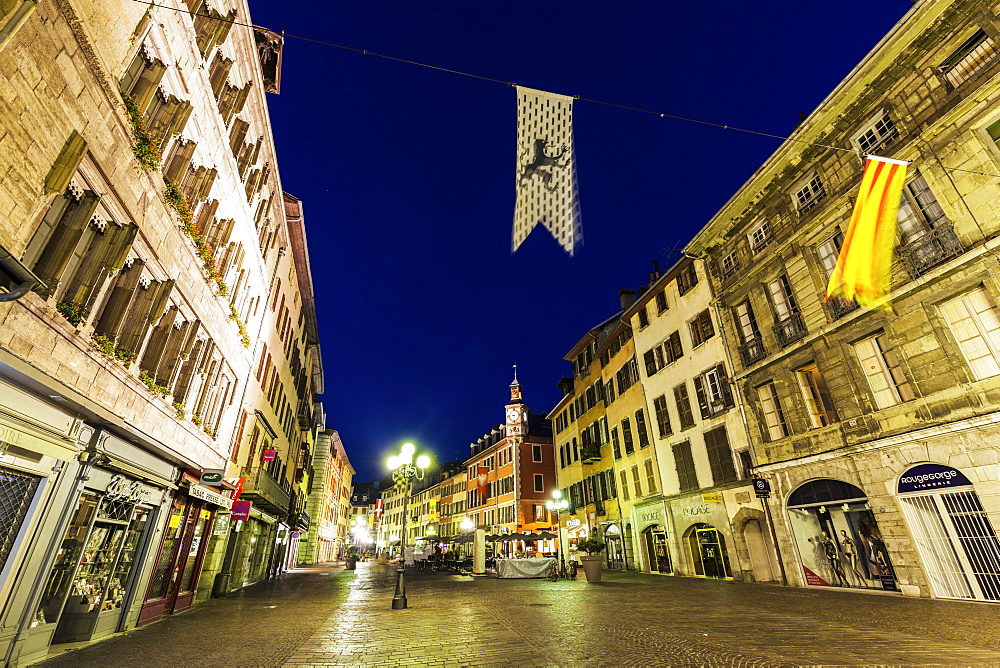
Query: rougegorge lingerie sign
(930,476)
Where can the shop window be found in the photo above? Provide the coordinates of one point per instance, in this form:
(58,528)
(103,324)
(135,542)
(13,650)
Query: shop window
(683,406)
(775,426)
(974,321)
(627,436)
(816,396)
(720,456)
(701,328)
(662,416)
(17,490)
(687,476)
(971,57)
(883,371)
(650,470)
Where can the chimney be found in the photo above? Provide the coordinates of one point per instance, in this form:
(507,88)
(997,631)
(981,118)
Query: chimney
(656,268)
(627,298)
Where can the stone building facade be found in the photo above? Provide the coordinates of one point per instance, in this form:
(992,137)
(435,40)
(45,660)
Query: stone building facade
(142,237)
(877,429)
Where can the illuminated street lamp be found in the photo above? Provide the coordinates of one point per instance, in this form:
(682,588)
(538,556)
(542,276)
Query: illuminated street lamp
(554,505)
(404,470)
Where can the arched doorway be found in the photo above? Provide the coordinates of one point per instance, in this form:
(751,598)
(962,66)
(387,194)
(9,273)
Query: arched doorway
(953,533)
(708,552)
(654,541)
(757,548)
(838,538)
(615,550)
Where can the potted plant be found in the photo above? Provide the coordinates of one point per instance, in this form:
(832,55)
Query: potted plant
(592,561)
(352,556)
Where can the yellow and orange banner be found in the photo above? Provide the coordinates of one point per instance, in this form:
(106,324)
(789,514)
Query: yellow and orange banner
(864,265)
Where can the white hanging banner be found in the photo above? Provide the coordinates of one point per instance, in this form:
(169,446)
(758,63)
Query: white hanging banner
(546,186)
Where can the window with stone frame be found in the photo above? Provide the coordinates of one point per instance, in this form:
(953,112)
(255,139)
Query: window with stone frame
(218,73)
(974,320)
(79,245)
(713,392)
(745,460)
(256,181)
(759,236)
(810,193)
(774,425)
(170,342)
(828,252)
(134,302)
(782,298)
(663,354)
(816,396)
(882,369)
(731,264)
(683,404)
(746,322)
(877,135)
(720,455)
(687,475)
(232,99)
(662,416)
(142,78)
(167,116)
(919,211)
(971,57)
(701,328)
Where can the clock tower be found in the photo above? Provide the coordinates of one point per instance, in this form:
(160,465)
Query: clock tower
(517,413)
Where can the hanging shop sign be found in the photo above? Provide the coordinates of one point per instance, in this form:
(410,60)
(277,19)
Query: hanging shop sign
(930,476)
(237,488)
(762,488)
(205,494)
(270,455)
(212,477)
(241,511)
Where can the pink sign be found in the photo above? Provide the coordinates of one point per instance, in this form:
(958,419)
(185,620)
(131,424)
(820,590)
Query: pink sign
(269,455)
(241,510)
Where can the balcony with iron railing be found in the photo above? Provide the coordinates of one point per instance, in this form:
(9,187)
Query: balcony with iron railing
(790,330)
(752,350)
(838,308)
(931,249)
(264,490)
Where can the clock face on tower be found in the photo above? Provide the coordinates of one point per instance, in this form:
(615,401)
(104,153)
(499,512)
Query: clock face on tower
(513,415)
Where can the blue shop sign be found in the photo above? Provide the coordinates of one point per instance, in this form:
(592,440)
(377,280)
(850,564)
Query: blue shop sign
(931,476)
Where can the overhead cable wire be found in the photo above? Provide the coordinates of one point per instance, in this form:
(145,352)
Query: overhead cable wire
(686,119)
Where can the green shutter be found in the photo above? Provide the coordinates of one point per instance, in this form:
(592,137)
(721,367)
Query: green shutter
(66,164)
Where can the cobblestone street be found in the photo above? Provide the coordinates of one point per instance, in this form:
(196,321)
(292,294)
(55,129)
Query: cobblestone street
(329,616)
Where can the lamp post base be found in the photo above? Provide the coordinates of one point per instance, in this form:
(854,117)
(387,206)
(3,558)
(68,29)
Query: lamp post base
(399,599)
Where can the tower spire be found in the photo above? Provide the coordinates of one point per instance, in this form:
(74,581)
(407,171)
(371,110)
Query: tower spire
(515,388)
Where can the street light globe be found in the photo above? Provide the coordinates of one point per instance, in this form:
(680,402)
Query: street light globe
(423,461)
(409,448)
(556,494)
(550,505)
(468,524)
(393,463)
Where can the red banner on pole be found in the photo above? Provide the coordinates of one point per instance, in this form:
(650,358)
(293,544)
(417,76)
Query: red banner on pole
(481,482)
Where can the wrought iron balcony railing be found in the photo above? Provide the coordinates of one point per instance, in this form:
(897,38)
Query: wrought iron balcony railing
(262,487)
(838,308)
(790,329)
(928,251)
(752,350)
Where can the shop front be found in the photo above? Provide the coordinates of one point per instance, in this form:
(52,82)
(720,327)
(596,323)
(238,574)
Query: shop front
(952,530)
(98,563)
(615,552)
(838,538)
(182,550)
(702,540)
(708,552)
(655,552)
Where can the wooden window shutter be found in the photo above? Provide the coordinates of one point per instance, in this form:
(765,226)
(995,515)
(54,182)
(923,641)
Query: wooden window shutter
(103,257)
(727,391)
(205,220)
(147,82)
(699,389)
(115,309)
(177,164)
(218,73)
(62,243)
(66,164)
(146,310)
(186,376)
(237,136)
(157,345)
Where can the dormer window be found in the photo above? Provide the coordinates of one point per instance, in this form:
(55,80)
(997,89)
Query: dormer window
(810,194)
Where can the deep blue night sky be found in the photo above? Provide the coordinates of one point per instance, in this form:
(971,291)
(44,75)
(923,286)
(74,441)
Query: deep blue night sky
(407,175)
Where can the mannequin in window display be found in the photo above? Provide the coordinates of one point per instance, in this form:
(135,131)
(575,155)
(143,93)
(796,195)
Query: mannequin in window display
(833,556)
(878,556)
(851,552)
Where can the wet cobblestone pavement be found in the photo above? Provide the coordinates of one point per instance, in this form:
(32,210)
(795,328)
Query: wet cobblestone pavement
(328,616)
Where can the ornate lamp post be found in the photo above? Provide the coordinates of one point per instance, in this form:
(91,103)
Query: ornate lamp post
(554,505)
(404,470)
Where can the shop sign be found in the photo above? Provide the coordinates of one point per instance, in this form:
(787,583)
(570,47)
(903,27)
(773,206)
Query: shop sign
(212,477)
(695,511)
(572,524)
(711,497)
(888,583)
(241,511)
(205,494)
(762,488)
(432,510)
(221,527)
(650,516)
(931,476)
(270,455)
(122,489)
(238,488)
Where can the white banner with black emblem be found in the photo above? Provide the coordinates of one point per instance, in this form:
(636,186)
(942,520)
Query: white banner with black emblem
(546,184)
